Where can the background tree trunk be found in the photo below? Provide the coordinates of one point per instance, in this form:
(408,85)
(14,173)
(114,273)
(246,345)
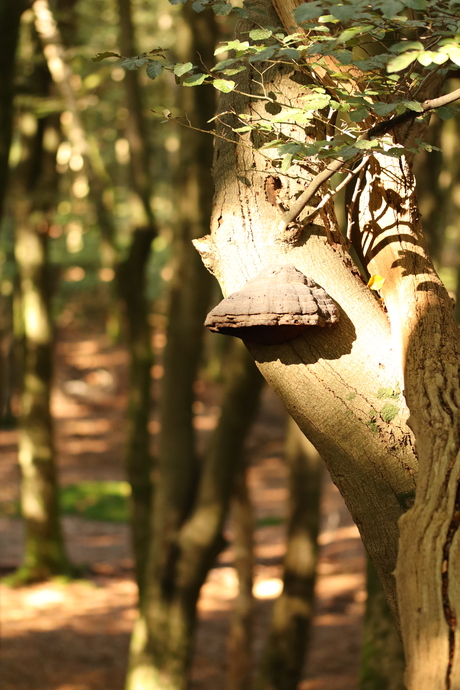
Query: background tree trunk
(131,279)
(180,560)
(382,654)
(240,659)
(288,637)
(176,473)
(10,15)
(36,189)
(44,548)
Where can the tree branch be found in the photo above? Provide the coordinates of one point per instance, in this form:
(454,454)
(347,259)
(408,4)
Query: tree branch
(379,130)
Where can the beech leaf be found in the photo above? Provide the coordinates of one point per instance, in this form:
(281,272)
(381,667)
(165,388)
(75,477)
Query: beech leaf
(181,69)
(194,80)
(154,69)
(402,61)
(375,282)
(224,85)
(102,56)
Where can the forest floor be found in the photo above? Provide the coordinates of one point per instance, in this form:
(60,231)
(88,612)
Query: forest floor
(75,636)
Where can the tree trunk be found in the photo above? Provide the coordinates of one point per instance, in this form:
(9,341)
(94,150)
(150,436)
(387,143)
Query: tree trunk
(44,549)
(239,676)
(375,473)
(340,383)
(184,546)
(427,344)
(36,187)
(153,647)
(292,613)
(10,15)
(382,655)
(131,279)
(135,128)
(131,271)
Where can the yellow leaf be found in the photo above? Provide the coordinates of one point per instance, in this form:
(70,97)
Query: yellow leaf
(375,282)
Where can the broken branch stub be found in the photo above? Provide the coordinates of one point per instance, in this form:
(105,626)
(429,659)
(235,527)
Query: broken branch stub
(276,306)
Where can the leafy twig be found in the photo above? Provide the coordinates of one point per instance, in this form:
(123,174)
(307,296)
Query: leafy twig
(374,132)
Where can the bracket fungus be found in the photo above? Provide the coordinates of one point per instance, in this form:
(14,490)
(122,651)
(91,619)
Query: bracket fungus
(276,306)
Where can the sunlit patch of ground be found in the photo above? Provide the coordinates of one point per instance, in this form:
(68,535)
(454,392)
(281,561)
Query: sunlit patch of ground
(76,636)
(66,636)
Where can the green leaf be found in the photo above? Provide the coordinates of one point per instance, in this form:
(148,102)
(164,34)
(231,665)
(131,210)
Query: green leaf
(354,31)
(194,80)
(416,4)
(224,85)
(390,8)
(286,163)
(327,19)
(307,11)
(102,56)
(403,46)
(383,108)
(293,148)
(413,105)
(440,58)
(239,46)
(222,8)
(345,57)
(402,61)
(177,2)
(344,12)
(359,114)
(260,34)
(182,68)
(230,72)
(272,144)
(315,101)
(395,152)
(265,54)
(154,69)
(364,144)
(453,51)
(198,6)
(223,64)
(425,57)
(134,63)
(349,151)
(445,113)
(291,53)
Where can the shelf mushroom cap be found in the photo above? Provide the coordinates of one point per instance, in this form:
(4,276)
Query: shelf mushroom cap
(274,307)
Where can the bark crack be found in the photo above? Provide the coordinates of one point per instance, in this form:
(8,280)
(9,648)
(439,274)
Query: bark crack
(449,614)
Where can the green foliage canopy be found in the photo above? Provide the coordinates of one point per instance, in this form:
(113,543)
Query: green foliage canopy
(379,56)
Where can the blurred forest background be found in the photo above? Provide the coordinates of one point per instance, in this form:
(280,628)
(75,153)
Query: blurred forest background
(111,393)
